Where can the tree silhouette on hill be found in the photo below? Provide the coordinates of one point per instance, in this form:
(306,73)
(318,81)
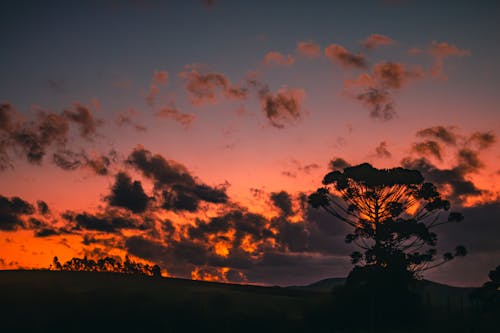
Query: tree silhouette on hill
(106,264)
(489,293)
(393,213)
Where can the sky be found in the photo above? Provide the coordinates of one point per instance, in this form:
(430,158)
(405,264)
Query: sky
(189,133)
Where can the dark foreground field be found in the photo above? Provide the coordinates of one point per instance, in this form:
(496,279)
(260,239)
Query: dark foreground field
(46,301)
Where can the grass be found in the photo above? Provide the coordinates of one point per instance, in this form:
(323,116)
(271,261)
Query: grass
(47,301)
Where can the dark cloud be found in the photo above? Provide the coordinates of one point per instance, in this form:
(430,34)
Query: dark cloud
(446,135)
(338,164)
(5,162)
(299,167)
(18,214)
(6,115)
(291,236)
(309,167)
(392,75)
(478,232)
(245,242)
(375,40)
(34,138)
(378,87)
(455,177)
(467,161)
(381,150)
(12,212)
(185,119)
(178,200)
(243,222)
(282,107)
(128,194)
(109,221)
(83,117)
(289,174)
(380,103)
(127,118)
(100,164)
(181,191)
(145,248)
(46,232)
(428,147)
(228,247)
(285,106)
(43,208)
(340,55)
(107,241)
(205,87)
(283,201)
(157,168)
(482,140)
(67,159)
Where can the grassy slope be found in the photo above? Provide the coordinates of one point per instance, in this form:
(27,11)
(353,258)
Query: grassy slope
(80,301)
(45,301)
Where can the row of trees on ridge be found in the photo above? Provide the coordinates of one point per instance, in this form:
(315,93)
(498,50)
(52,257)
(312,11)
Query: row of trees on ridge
(106,264)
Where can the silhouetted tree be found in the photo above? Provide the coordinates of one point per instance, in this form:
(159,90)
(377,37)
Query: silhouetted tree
(56,263)
(489,293)
(392,213)
(156,271)
(106,264)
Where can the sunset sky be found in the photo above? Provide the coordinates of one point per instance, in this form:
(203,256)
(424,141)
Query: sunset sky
(189,133)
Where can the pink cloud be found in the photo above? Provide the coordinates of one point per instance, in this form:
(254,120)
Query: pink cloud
(204,88)
(440,51)
(284,106)
(375,40)
(159,78)
(185,119)
(415,51)
(127,118)
(340,55)
(276,58)
(395,75)
(377,87)
(309,49)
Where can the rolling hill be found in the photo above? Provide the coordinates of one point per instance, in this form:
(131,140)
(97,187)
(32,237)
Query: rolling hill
(48,301)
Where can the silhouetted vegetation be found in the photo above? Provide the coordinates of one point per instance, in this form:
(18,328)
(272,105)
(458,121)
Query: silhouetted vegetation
(489,293)
(67,301)
(107,264)
(392,213)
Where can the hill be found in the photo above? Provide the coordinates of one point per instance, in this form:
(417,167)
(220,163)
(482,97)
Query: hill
(325,285)
(434,293)
(48,301)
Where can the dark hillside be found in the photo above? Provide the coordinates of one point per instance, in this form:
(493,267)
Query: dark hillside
(48,301)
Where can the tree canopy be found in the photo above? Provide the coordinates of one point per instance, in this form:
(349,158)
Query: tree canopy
(392,212)
(106,264)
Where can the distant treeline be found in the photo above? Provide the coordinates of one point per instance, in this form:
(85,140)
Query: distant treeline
(107,264)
